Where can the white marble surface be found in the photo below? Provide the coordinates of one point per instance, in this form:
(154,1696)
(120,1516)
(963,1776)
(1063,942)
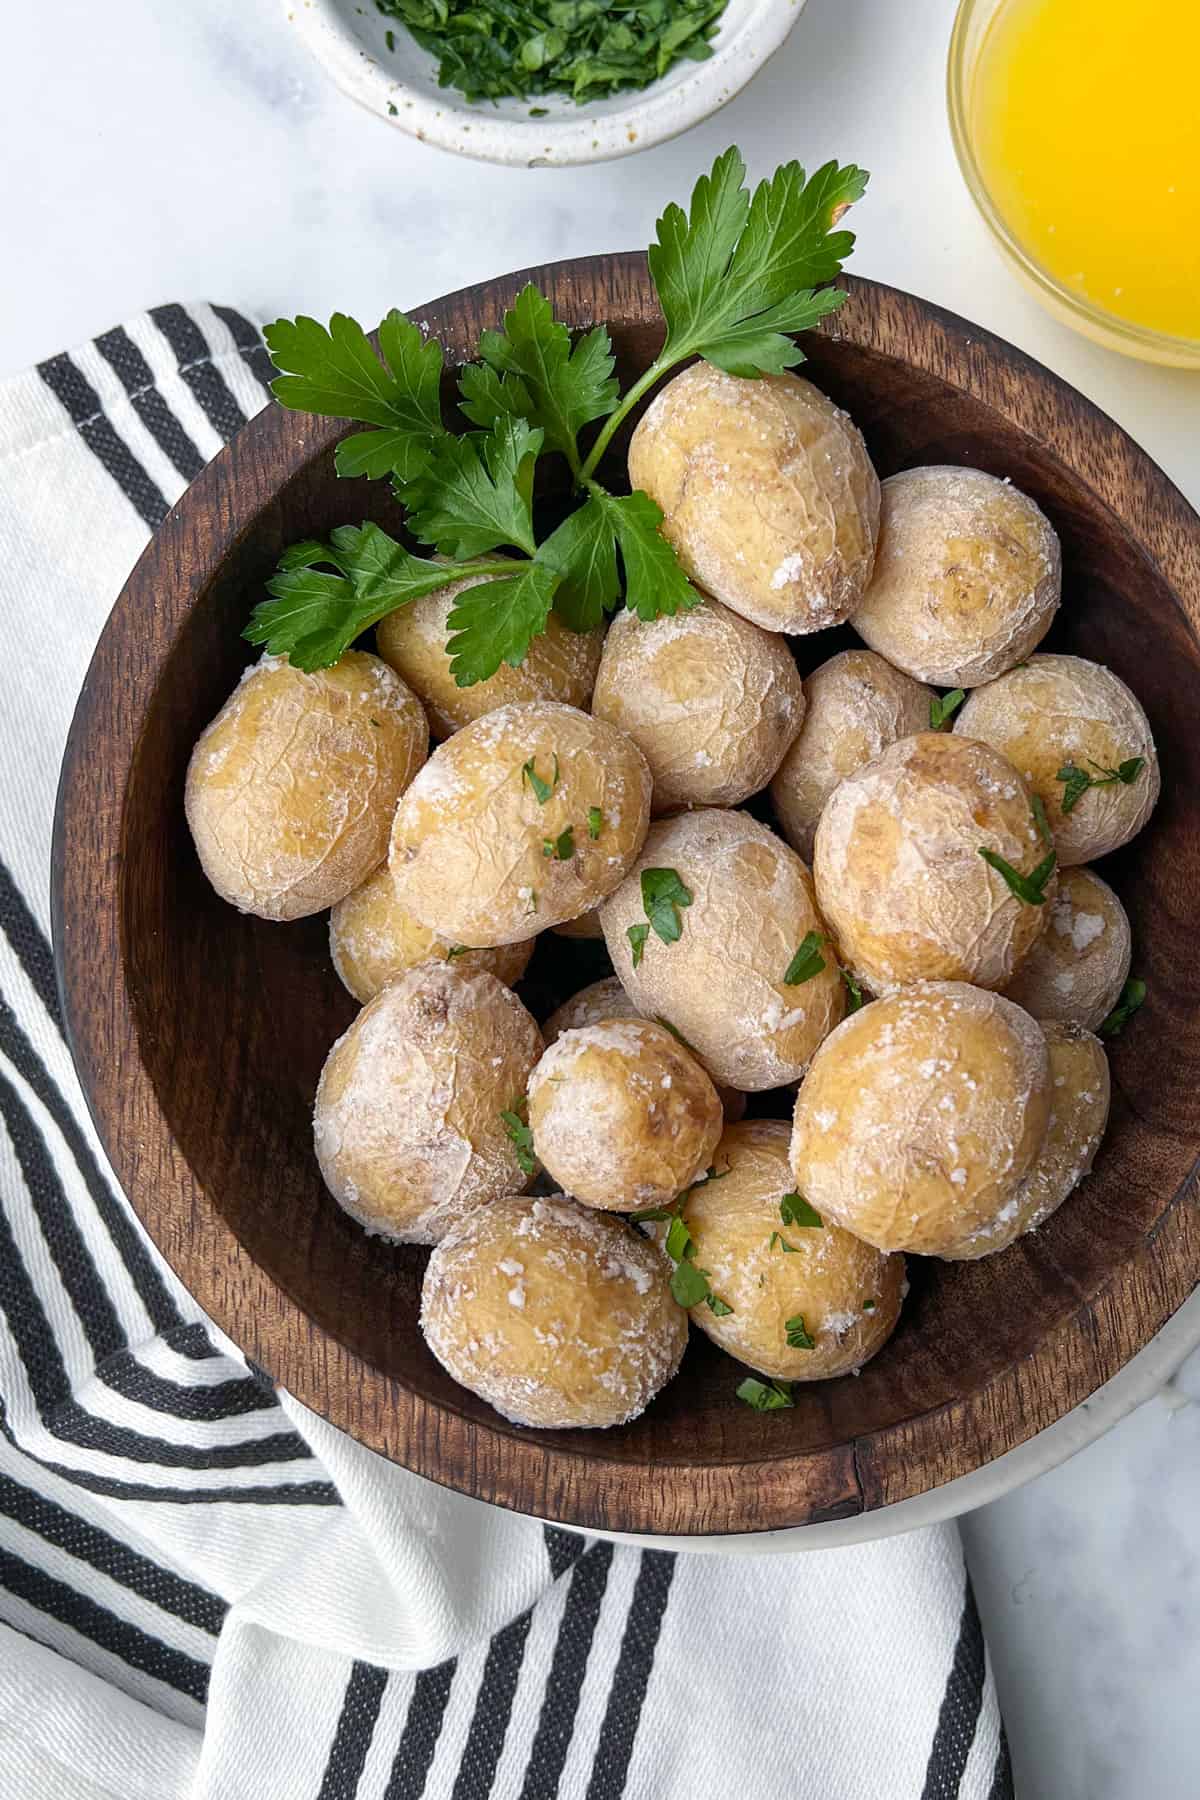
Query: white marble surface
(155,152)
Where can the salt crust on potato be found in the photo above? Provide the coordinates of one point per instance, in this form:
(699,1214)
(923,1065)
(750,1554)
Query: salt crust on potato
(623,1116)
(559,664)
(291,788)
(922,1115)
(767,492)
(373,938)
(556,1314)
(1079,1098)
(899,874)
(407,1123)
(477,855)
(847,1293)
(711,701)
(1076,970)
(607,999)
(857,705)
(721,985)
(967,578)
(1065,709)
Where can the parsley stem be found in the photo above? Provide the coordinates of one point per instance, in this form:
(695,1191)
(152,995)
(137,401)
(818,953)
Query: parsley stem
(629,400)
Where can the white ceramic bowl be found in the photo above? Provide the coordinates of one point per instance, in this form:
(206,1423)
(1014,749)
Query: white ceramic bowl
(400,86)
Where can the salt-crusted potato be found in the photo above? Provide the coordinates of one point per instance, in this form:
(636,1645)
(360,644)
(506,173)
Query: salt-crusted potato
(721,985)
(555,1314)
(1079,1082)
(767,493)
(921,1116)
(899,873)
(1076,970)
(1060,711)
(711,701)
(623,1117)
(528,816)
(559,665)
(607,999)
(373,937)
(407,1123)
(291,789)
(967,576)
(587,925)
(836,1297)
(857,705)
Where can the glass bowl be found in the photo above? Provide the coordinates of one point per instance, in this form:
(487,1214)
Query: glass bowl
(970,29)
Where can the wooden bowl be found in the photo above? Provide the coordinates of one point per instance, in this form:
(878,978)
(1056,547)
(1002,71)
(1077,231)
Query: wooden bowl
(199,1034)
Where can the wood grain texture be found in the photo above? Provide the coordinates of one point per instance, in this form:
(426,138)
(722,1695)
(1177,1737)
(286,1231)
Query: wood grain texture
(199,1034)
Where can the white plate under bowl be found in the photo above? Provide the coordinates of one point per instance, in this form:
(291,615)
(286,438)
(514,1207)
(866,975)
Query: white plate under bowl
(348,38)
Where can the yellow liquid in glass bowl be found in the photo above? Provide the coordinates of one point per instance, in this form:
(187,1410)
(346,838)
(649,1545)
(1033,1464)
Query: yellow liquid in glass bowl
(1084,119)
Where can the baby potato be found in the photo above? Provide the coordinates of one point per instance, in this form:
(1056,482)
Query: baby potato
(1075,971)
(711,701)
(967,578)
(1061,712)
(857,705)
(557,1315)
(587,925)
(407,1123)
(921,1116)
(623,1117)
(607,999)
(291,789)
(807,1302)
(560,664)
(526,817)
(722,985)
(898,867)
(1079,1101)
(373,936)
(767,493)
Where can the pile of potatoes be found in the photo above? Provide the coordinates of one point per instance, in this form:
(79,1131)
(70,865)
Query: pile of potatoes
(900,965)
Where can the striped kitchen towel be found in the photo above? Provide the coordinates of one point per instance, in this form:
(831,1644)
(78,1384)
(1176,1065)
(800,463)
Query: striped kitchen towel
(205,1590)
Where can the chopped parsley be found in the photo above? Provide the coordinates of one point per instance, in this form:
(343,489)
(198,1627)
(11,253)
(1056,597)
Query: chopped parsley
(664,896)
(807,961)
(1029,888)
(765,1396)
(794,1209)
(457,950)
(1077,781)
(542,790)
(520,1136)
(1041,821)
(853,990)
(797,1334)
(562,847)
(943,708)
(637,935)
(595,822)
(777,1237)
(1133,995)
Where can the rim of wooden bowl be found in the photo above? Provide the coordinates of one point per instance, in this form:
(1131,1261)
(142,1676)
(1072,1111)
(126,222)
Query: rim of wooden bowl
(491,1462)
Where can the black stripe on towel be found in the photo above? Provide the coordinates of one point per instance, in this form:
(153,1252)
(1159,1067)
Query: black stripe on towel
(191,1341)
(493,1710)
(204,1402)
(31,948)
(564,1548)
(560,1700)
(632,1675)
(117,1221)
(251,348)
(958,1717)
(355,1729)
(422,1728)
(137,378)
(68,1532)
(70,1607)
(1002,1775)
(198,370)
(82,402)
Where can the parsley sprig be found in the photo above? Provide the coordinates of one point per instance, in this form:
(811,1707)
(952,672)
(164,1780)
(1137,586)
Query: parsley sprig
(519,1134)
(1133,995)
(1077,781)
(736,276)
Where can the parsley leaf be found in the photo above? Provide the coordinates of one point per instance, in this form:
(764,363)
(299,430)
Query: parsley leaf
(583,550)
(313,616)
(495,621)
(719,1307)
(765,1396)
(1041,821)
(807,961)
(475,492)
(562,847)
(542,790)
(777,1237)
(562,386)
(797,1334)
(663,895)
(678,1240)
(654,582)
(689,1284)
(1133,995)
(794,1209)
(854,991)
(519,1134)
(1029,888)
(1077,781)
(942,708)
(334,371)
(637,935)
(595,822)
